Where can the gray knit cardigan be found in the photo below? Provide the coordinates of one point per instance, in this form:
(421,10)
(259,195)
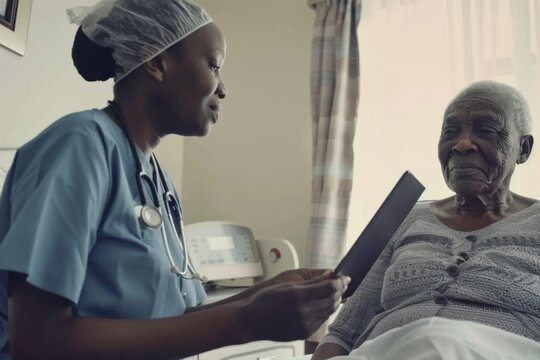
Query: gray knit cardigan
(490,276)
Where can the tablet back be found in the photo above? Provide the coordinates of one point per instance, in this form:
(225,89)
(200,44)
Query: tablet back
(379,231)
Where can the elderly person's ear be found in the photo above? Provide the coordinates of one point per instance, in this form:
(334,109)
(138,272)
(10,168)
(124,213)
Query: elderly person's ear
(526,144)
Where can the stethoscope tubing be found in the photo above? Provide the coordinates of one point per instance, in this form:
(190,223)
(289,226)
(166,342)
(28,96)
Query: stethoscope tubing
(188,271)
(188,266)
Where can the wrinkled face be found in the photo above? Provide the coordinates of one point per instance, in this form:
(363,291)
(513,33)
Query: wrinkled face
(188,101)
(478,146)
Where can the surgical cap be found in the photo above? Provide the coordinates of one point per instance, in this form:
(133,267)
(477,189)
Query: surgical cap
(138,30)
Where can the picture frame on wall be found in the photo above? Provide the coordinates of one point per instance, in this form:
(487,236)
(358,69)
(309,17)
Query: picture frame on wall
(14,23)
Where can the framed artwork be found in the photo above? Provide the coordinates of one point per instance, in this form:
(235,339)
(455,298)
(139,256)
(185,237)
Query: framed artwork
(14,22)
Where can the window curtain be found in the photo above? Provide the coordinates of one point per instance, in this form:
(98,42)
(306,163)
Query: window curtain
(335,86)
(416,55)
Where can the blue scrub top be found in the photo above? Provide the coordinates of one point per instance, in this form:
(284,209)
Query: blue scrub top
(67,220)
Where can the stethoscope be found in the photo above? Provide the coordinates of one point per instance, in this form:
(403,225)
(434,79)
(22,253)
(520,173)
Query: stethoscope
(150,215)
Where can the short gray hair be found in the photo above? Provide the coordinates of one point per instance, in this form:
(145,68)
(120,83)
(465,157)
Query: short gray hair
(511,101)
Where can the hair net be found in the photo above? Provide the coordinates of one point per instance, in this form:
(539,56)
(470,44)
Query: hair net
(138,30)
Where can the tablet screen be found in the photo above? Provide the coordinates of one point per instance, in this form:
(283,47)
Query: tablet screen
(380,229)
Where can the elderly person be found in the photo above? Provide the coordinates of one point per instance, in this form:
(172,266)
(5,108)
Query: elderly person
(461,277)
(91,266)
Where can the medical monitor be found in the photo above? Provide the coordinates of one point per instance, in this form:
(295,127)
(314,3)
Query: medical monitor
(221,250)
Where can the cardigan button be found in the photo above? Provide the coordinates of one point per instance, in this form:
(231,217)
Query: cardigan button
(453,270)
(440,299)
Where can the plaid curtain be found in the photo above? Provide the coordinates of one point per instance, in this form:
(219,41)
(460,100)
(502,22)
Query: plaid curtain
(335,83)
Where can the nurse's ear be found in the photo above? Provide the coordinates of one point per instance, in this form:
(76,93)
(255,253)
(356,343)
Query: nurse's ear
(157,67)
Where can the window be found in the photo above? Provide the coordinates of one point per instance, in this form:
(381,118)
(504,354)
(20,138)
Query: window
(415,56)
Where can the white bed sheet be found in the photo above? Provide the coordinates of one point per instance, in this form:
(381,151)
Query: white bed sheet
(444,339)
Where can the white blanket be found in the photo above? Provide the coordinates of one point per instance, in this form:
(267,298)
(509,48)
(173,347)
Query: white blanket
(444,339)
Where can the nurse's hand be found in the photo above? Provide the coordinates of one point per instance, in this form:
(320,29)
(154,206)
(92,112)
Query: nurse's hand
(293,309)
(298,275)
(288,276)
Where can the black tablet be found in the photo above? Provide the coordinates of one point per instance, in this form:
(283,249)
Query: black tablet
(379,231)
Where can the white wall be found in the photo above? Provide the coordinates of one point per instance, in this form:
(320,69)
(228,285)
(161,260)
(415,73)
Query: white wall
(254,168)
(43,85)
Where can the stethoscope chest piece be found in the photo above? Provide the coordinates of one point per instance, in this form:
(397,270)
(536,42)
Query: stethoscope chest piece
(149,216)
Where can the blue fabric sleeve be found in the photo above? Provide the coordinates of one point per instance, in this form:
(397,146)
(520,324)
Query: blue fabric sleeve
(4,225)
(58,195)
(3,314)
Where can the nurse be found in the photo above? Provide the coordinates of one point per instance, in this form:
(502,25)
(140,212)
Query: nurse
(85,277)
